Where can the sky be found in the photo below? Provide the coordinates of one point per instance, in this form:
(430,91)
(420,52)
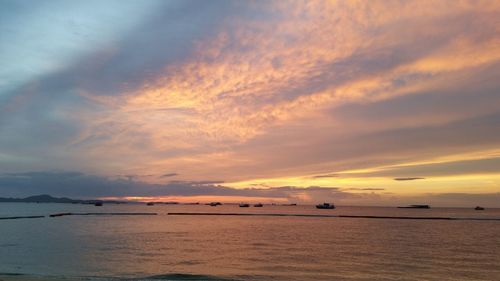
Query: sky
(352,102)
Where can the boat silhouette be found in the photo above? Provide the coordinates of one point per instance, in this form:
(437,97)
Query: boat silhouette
(325,206)
(415,207)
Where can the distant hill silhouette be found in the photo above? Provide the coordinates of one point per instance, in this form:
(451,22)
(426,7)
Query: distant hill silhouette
(45,198)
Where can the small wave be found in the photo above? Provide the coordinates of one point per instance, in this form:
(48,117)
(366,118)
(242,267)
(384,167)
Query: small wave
(183,276)
(165,277)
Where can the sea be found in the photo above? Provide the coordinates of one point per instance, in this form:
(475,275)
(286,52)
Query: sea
(318,246)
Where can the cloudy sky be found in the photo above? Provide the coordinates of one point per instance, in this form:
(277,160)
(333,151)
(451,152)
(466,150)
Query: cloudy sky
(356,102)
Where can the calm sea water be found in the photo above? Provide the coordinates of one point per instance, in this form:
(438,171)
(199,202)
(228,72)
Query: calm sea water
(248,248)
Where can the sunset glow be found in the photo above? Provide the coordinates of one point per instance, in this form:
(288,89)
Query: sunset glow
(357,102)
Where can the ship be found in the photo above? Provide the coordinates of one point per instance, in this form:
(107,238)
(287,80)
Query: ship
(415,207)
(325,206)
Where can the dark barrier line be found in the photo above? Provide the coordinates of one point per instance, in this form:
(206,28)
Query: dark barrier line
(24,217)
(397,218)
(332,216)
(102,214)
(419,218)
(476,219)
(249,215)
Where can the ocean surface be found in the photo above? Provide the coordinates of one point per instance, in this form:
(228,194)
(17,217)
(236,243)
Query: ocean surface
(173,247)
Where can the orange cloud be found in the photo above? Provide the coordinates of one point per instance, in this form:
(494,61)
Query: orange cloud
(290,70)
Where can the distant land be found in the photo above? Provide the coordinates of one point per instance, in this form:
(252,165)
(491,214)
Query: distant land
(44,198)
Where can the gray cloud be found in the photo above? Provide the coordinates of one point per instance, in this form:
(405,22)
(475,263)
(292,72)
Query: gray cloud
(408,179)
(325,176)
(357,150)
(365,188)
(197,183)
(80,185)
(133,177)
(169,175)
(43,108)
(76,184)
(479,166)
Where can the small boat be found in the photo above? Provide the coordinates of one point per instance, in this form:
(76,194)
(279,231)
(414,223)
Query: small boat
(479,208)
(60,215)
(244,205)
(415,207)
(325,206)
(98,204)
(150,204)
(214,204)
(258,205)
